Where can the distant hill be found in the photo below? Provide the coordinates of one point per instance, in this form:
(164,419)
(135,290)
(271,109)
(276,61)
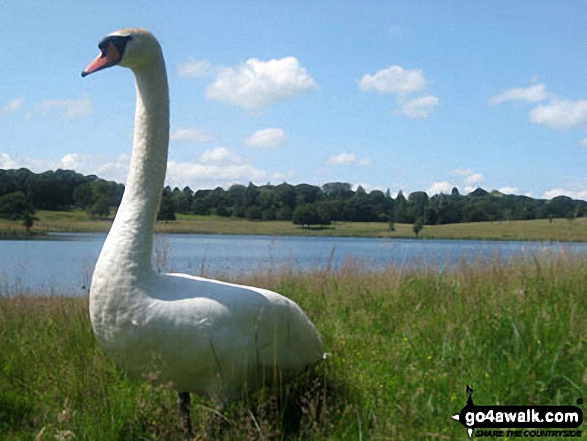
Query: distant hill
(334,201)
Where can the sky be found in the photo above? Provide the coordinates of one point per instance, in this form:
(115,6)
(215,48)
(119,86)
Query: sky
(400,95)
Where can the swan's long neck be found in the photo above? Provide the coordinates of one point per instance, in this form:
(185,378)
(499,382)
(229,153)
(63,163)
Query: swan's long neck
(128,248)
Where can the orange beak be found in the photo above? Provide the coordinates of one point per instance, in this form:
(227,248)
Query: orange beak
(104,60)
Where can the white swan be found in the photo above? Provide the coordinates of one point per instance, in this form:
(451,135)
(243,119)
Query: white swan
(204,336)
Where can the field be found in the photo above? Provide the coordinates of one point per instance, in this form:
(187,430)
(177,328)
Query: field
(404,346)
(557,230)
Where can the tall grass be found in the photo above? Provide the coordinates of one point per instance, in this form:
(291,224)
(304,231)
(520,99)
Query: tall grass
(404,345)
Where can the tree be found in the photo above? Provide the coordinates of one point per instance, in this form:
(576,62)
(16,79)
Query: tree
(285,197)
(28,221)
(15,206)
(307,194)
(337,190)
(418,202)
(166,208)
(418,226)
(254,213)
(100,207)
(402,214)
(303,215)
(83,194)
(97,196)
(308,215)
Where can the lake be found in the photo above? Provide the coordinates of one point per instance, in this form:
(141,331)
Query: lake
(63,263)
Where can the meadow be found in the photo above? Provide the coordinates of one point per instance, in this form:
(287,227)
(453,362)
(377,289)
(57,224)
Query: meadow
(77,221)
(404,344)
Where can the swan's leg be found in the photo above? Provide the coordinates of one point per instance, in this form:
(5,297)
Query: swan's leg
(184,404)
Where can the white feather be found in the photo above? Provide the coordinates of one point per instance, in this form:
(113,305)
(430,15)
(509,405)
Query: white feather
(201,335)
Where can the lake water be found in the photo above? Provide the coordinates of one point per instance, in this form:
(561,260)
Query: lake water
(63,263)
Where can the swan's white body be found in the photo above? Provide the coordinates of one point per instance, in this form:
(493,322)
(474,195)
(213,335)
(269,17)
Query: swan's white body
(201,335)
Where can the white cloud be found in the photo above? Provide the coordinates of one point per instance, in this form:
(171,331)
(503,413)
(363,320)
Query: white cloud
(531,94)
(194,69)
(219,155)
(103,167)
(198,175)
(269,138)
(509,190)
(474,178)
(583,142)
(418,107)
(7,162)
(346,158)
(394,79)
(261,83)
(282,177)
(65,108)
(12,106)
(215,167)
(401,82)
(440,187)
(71,161)
(557,113)
(560,114)
(114,170)
(581,194)
(342,158)
(471,180)
(470,177)
(33,164)
(195,135)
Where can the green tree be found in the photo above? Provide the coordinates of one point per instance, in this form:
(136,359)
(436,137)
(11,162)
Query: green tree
(166,207)
(308,215)
(28,220)
(337,190)
(307,194)
(253,213)
(15,206)
(418,201)
(402,214)
(417,227)
(100,207)
(83,194)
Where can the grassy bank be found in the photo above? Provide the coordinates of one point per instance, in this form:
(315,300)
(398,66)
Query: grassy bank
(542,229)
(404,346)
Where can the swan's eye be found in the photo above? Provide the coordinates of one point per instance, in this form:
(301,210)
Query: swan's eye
(119,42)
(103,46)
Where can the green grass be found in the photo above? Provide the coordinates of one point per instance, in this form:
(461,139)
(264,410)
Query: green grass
(542,229)
(404,345)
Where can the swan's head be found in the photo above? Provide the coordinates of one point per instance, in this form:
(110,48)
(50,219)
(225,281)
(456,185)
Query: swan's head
(133,48)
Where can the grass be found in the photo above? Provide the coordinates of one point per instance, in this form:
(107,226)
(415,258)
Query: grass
(404,343)
(542,229)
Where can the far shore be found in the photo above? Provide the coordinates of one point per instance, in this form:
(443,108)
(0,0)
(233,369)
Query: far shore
(77,221)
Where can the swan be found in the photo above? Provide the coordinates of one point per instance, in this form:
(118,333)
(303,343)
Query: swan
(202,336)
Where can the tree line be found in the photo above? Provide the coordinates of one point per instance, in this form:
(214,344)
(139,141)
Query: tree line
(22,192)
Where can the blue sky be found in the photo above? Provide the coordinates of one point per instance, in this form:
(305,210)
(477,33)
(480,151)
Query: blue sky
(414,95)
